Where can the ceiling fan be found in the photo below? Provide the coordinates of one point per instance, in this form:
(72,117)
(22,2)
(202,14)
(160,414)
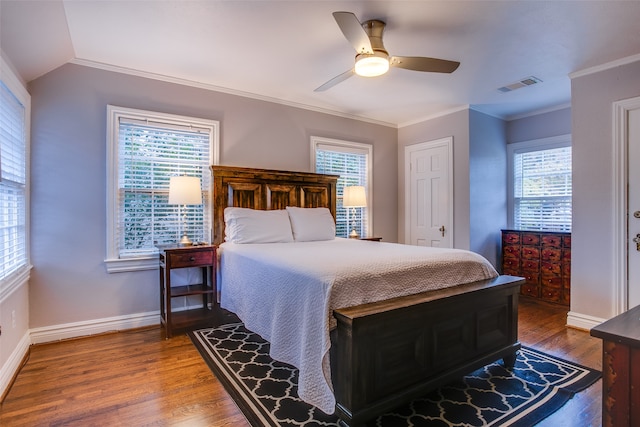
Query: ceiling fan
(372,59)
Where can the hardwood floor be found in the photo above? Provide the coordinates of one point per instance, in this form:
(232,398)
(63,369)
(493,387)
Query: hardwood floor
(137,378)
(541,326)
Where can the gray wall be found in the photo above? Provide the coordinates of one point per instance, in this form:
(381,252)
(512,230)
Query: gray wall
(68,199)
(592,263)
(488,185)
(540,126)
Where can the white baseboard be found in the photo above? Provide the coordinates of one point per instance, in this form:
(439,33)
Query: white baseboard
(11,366)
(93,327)
(582,321)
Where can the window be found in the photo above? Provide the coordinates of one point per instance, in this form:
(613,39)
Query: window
(540,185)
(146,149)
(352,161)
(15,110)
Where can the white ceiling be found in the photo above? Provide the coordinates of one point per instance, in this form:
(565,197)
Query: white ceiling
(283,50)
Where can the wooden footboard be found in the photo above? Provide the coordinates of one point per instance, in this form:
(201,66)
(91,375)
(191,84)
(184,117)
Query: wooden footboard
(391,352)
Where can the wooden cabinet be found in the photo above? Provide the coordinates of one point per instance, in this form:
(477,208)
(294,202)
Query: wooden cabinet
(174,257)
(620,369)
(543,259)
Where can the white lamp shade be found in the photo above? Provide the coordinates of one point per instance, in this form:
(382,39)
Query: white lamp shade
(185,190)
(354,197)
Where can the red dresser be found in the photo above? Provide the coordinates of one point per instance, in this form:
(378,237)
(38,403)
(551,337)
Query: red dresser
(543,259)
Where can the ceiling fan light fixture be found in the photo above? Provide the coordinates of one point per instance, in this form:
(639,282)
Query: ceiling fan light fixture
(372,64)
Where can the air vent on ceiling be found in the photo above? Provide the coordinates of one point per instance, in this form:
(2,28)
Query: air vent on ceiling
(527,81)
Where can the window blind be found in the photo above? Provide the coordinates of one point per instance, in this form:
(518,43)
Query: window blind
(542,190)
(351,165)
(13,180)
(148,155)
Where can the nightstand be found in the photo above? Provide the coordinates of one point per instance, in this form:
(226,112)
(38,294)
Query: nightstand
(174,257)
(372,239)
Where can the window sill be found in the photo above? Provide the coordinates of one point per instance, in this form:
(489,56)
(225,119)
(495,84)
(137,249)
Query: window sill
(131,264)
(14,281)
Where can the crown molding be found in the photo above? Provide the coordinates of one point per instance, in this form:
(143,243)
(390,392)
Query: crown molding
(540,111)
(605,66)
(214,88)
(435,115)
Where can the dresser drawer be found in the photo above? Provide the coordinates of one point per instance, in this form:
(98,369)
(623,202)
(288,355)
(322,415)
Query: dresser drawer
(551,281)
(511,264)
(530,252)
(532,265)
(531,278)
(530,290)
(191,259)
(550,294)
(512,251)
(553,241)
(511,237)
(530,239)
(550,269)
(551,254)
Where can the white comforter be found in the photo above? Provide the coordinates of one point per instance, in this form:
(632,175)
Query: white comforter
(285,292)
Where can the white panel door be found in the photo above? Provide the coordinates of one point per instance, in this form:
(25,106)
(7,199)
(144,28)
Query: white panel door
(633,258)
(429,198)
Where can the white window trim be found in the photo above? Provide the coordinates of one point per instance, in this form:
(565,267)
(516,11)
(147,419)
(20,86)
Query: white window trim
(20,277)
(113,263)
(523,147)
(350,147)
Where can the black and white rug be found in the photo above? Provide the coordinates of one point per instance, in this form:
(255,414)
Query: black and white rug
(266,390)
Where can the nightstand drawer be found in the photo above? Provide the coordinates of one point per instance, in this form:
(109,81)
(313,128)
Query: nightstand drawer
(191,259)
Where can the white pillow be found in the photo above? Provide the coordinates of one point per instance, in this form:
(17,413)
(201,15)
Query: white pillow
(311,224)
(243,225)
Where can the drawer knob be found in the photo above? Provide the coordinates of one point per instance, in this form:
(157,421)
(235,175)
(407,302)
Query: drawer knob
(192,258)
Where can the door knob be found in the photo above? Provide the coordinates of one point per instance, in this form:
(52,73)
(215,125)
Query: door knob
(441,229)
(636,240)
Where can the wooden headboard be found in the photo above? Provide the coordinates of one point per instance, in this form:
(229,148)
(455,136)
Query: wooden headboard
(268,189)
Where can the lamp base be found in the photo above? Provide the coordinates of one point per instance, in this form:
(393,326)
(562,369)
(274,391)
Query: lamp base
(186,241)
(354,234)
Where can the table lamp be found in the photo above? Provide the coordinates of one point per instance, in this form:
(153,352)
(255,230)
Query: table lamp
(185,190)
(354,197)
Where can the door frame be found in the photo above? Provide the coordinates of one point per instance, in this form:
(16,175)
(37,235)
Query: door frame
(448,143)
(621,201)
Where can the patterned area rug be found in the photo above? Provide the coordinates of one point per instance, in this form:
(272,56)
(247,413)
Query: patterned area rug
(266,390)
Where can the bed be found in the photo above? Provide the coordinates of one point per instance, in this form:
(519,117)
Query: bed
(379,354)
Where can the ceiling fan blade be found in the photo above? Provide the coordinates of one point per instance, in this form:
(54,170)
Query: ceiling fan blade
(420,63)
(334,81)
(353,31)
